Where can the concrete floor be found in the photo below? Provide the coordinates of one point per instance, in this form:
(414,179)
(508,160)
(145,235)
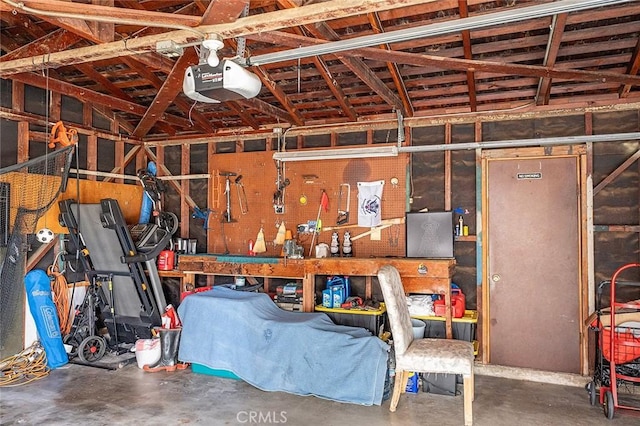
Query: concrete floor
(76,394)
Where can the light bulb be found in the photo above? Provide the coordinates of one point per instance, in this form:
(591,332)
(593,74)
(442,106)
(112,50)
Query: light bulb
(212,59)
(213,44)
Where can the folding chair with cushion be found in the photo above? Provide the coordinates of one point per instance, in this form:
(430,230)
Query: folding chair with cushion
(422,355)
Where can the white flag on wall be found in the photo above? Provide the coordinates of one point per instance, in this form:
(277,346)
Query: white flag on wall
(370,203)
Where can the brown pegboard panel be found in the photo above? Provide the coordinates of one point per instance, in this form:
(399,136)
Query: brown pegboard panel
(308,179)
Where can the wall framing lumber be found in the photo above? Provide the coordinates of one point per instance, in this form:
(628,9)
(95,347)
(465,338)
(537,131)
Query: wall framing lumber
(617,172)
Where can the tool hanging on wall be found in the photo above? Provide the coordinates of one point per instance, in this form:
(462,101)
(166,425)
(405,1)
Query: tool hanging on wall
(278,196)
(281,181)
(226,216)
(242,195)
(199,213)
(324,203)
(343,213)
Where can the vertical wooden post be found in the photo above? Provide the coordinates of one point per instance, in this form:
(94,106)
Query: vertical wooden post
(92,155)
(119,154)
(17,96)
(212,202)
(588,263)
(447,168)
(23,141)
(119,158)
(17,103)
(481,295)
(56,106)
(141,159)
(184,185)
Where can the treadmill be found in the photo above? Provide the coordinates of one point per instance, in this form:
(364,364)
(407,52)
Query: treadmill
(120,261)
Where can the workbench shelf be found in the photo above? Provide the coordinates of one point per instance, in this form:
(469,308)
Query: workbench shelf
(421,276)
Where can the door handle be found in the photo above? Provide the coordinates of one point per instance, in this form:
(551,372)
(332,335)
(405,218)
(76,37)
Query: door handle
(495,278)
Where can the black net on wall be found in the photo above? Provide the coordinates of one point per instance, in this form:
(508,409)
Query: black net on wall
(27,190)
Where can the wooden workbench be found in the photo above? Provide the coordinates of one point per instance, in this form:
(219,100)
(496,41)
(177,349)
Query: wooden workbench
(423,276)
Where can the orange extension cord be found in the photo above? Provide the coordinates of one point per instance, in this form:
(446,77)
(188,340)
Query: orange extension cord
(60,298)
(25,367)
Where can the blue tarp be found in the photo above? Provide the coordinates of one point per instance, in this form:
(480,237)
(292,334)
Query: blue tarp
(277,350)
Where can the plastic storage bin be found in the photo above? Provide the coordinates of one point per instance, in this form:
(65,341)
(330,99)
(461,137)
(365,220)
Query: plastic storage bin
(462,328)
(371,320)
(441,384)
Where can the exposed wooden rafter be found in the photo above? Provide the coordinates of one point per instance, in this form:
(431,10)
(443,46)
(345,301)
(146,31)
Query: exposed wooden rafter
(444,63)
(553,47)
(280,95)
(458,72)
(376,24)
(466,43)
(270,21)
(55,41)
(632,69)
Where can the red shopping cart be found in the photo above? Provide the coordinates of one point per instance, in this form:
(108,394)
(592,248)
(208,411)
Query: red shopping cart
(618,330)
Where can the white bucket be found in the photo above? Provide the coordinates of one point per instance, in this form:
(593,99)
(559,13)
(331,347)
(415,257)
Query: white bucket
(418,328)
(147,351)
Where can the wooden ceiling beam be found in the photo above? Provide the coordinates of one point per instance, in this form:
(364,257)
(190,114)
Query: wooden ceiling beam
(72,30)
(131,4)
(466,45)
(55,41)
(394,70)
(103,81)
(105,31)
(147,74)
(421,119)
(243,114)
(224,11)
(359,68)
(110,115)
(324,71)
(280,95)
(457,64)
(335,88)
(632,69)
(266,108)
(553,47)
(77,26)
(166,95)
(253,24)
(94,98)
(110,12)
(24,22)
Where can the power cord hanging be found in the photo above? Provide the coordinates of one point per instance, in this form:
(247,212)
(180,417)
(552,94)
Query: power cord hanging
(60,296)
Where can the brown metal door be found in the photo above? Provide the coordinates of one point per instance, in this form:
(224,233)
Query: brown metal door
(533,263)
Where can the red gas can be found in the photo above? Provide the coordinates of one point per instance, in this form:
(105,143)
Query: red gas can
(165,260)
(458,304)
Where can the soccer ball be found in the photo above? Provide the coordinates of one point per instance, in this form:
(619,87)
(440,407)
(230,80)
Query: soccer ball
(45,235)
